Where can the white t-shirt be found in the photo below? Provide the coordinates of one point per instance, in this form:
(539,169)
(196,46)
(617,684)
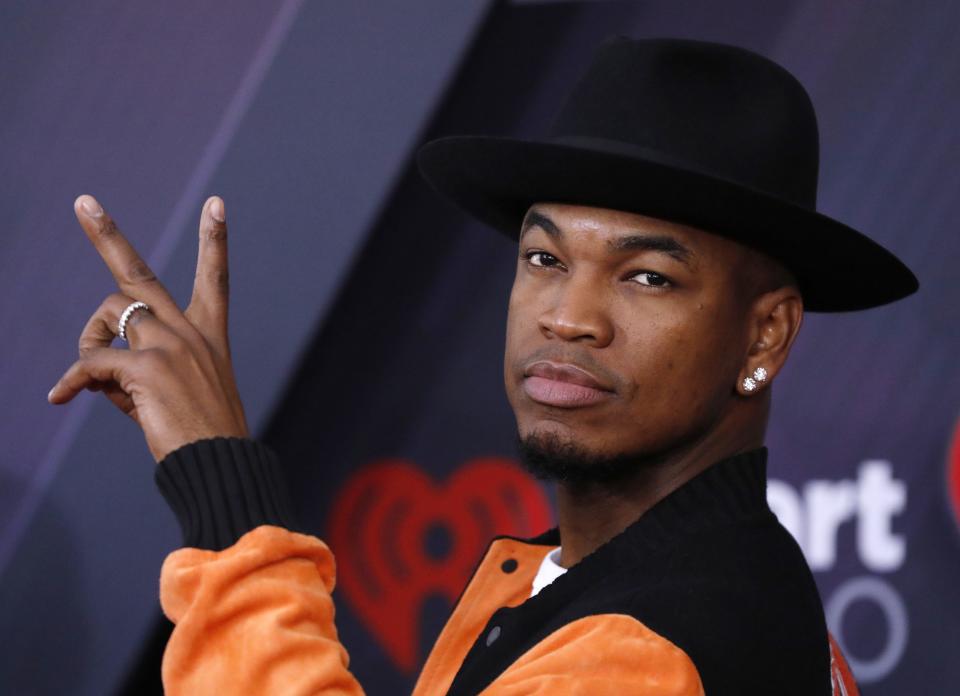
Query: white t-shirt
(550,570)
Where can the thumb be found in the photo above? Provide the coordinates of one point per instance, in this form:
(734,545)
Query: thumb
(95,367)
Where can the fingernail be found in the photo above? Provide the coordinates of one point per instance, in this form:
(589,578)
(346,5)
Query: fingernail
(50,393)
(216,210)
(90,206)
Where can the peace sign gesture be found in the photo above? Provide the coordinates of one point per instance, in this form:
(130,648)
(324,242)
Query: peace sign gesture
(176,381)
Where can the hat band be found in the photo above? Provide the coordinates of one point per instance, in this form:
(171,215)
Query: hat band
(634,151)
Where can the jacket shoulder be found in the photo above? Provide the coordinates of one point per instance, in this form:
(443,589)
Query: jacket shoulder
(634,659)
(743,604)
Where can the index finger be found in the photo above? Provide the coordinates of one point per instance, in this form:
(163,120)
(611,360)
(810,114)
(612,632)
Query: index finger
(131,272)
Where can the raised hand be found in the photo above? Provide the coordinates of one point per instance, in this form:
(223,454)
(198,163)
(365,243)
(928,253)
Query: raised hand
(176,381)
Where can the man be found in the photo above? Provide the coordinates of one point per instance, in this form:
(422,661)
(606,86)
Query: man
(668,245)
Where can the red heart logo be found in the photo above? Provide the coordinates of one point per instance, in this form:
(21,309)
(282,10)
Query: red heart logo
(953,473)
(399,538)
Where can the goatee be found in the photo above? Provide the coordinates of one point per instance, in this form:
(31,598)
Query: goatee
(551,458)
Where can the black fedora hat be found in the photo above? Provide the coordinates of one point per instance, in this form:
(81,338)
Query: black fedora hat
(704,134)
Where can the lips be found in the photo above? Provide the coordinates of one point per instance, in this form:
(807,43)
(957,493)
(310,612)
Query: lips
(563,385)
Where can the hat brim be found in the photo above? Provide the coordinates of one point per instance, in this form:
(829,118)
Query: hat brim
(497,179)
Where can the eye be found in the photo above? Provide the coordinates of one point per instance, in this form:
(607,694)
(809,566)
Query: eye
(541,258)
(651,279)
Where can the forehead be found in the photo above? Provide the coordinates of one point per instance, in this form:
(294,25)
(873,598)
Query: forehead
(591,225)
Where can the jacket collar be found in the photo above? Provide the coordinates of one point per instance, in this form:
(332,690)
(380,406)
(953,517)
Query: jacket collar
(732,490)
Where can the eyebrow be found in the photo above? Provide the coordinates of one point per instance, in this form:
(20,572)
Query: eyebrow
(652,242)
(631,242)
(535,219)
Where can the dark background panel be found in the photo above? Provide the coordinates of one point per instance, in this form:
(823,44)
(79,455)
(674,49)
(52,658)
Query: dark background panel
(398,351)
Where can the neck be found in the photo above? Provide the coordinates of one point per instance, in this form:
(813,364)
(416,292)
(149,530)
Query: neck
(591,514)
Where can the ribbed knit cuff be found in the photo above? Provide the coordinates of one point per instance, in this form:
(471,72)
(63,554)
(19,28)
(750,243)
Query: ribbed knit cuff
(223,487)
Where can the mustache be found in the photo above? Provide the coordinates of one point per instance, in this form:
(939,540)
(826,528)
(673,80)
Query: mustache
(576,356)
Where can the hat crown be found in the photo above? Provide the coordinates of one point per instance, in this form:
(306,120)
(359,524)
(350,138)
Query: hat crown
(710,108)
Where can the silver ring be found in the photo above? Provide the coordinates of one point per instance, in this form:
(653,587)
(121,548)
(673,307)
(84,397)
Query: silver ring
(125,317)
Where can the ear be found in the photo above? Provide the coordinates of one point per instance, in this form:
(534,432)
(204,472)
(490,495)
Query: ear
(774,321)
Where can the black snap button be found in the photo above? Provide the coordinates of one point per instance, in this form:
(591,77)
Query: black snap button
(493,635)
(509,565)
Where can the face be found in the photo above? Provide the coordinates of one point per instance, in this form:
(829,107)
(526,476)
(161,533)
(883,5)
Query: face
(625,333)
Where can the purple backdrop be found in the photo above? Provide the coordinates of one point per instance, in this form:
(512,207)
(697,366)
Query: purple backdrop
(303,116)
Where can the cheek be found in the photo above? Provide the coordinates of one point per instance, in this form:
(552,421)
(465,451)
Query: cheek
(673,366)
(513,319)
(655,345)
(518,320)
(522,314)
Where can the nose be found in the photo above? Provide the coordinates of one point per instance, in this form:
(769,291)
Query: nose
(578,314)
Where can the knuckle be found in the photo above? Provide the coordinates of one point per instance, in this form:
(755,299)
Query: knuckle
(107,228)
(82,365)
(84,343)
(94,335)
(217,277)
(151,360)
(216,232)
(139,272)
(111,305)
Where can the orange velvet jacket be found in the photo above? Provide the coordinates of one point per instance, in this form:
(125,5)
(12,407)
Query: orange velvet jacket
(705,593)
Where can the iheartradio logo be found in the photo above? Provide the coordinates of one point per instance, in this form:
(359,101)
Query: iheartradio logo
(953,473)
(400,537)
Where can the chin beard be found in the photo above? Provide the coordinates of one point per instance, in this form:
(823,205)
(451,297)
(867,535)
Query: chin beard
(552,458)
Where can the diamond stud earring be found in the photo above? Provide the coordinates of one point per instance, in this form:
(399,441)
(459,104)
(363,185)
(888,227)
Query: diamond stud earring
(750,383)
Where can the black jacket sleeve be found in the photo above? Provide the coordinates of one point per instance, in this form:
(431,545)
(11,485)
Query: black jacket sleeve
(223,487)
